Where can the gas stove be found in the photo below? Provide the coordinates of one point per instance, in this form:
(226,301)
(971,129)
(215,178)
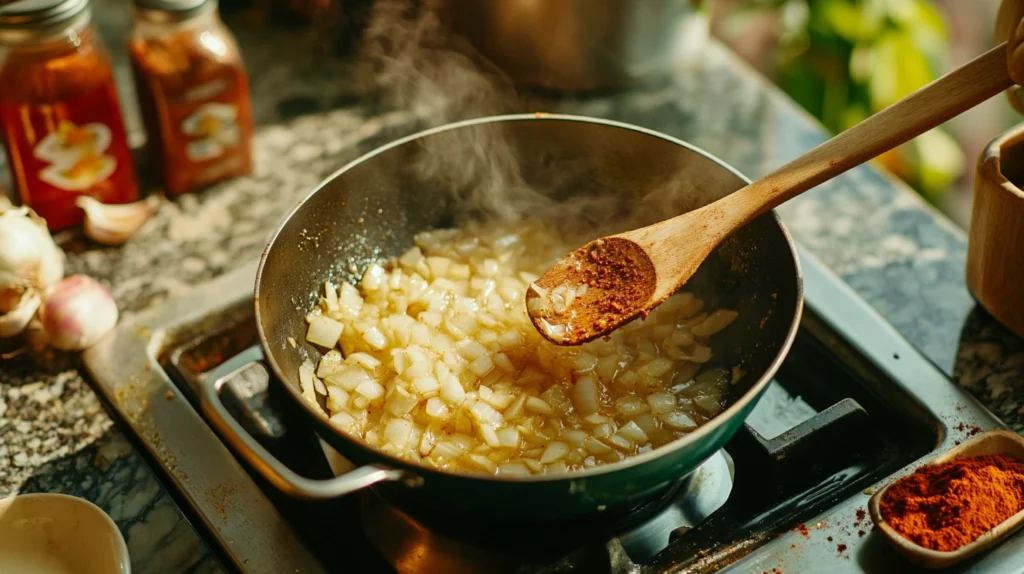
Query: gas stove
(853,406)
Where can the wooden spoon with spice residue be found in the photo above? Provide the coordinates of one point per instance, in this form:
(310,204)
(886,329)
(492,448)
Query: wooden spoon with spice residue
(611,280)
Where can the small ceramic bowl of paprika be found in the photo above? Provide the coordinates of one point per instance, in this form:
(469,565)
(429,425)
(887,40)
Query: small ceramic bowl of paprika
(997,442)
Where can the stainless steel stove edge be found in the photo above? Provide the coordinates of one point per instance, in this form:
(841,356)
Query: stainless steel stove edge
(125,369)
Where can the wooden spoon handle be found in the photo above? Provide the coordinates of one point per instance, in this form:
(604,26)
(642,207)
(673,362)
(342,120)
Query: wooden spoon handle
(928,107)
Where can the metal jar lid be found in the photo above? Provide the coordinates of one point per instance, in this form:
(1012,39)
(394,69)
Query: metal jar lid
(27,21)
(160,11)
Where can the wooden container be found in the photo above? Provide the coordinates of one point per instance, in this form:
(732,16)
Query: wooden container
(995,254)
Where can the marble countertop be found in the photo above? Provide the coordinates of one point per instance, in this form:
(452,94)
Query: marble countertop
(899,254)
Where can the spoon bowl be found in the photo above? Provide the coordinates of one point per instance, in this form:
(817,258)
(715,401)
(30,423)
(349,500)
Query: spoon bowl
(608,278)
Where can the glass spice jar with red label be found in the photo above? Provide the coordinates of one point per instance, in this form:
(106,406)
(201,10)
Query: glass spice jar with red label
(59,112)
(193,92)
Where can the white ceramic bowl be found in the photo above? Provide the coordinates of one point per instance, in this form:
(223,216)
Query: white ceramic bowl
(59,534)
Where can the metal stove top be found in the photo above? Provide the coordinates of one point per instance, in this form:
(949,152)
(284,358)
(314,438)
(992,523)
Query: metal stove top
(853,406)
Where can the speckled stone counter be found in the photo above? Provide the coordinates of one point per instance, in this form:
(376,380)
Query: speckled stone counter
(900,255)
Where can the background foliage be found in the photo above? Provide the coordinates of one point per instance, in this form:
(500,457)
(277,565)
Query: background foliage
(844,60)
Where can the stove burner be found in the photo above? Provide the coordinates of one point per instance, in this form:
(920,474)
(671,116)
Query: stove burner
(413,548)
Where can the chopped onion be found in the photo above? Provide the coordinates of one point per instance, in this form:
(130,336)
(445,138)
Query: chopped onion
(337,399)
(306,382)
(715,322)
(656,368)
(485,414)
(575,437)
(349,378)
(470,350)
(584,396)
(482,365)
(344,421)
(536,405)
(435,408)
(508,437)
(514,469)
(489,436)
(631,406)
(679,420)
(432,358)
(452,391)
(366,360)
(595,446)
(699,354)
(375,338)
(400,402)
(555,451)
(621,442)
(661,402)
(633,432)
(397,432)
(483,463)
(370,389)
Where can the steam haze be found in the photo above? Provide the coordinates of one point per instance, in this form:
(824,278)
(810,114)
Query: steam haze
(421,66)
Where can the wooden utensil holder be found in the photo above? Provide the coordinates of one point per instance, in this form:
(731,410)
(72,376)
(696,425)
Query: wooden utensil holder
(995,254)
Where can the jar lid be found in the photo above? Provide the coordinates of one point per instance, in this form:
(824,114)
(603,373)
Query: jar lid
(172,10)
(25,21)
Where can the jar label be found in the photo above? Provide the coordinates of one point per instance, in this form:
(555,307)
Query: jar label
(76,156)
(213,129)
(63,149)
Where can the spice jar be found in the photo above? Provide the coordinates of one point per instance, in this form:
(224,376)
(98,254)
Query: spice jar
(193,92)
(59,111)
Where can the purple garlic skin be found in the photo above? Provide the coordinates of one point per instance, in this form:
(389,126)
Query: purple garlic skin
(77,313)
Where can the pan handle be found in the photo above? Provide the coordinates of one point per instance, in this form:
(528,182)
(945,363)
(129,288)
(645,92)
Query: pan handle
(282,477)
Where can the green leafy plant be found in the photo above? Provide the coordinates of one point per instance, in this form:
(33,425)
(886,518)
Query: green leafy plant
(844,60)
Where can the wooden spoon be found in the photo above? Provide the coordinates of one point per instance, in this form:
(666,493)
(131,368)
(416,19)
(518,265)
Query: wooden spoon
(631,273)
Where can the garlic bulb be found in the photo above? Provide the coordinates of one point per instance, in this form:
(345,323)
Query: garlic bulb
(30,263)
(113,224)
(14,321)
(77,313)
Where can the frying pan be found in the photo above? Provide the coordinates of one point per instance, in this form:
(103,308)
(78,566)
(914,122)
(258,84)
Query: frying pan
(373,207)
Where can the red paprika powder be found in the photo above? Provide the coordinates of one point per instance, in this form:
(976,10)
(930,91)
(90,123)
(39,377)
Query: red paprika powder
(948,505)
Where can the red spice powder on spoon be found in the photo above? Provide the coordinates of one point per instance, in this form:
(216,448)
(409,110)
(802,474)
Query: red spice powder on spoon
(948,505)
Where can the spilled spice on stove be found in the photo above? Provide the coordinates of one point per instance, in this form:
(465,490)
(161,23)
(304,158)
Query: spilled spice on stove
(968,430)
(861,533)
(948,505)
(841,548)
(803,530)
(861,514)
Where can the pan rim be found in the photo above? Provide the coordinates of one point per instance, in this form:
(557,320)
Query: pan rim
(633,461)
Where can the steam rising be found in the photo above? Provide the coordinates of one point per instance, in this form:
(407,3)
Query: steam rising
(420,65)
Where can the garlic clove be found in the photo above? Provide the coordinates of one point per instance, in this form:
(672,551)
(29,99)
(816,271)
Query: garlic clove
(77,313)
(14,321)
(114,224)
(29,258)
